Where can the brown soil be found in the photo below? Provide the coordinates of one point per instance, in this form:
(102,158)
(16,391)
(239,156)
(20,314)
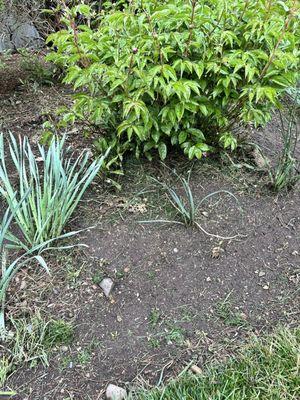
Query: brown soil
(180,296)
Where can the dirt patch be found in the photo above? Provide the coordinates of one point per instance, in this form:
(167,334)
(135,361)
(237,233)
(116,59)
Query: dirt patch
(172,301)
(180,295)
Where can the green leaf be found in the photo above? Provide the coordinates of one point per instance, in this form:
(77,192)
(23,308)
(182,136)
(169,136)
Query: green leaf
(192,152)
(182,137)
(162,150)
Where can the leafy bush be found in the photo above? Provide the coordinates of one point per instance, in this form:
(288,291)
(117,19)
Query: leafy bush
(178,72)
(52,192)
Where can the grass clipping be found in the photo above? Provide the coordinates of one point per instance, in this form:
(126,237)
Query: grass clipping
(267,369)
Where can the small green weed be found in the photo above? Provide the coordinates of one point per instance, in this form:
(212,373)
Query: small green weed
(154,317)
(73,273)
(186,207)
(58,332)
(119,274)
(38,71)
(174,334)
(98,277)
(224,311)
(84,357)
(165,330)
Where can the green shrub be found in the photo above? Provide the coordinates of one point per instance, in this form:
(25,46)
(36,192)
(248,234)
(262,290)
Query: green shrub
(178,72)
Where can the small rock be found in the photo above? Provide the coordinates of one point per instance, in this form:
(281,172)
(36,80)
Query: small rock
(114,392)
(266,287)
(197,370)
(261,273)
(260,160)
(107,285)
(175,250)
(23,285)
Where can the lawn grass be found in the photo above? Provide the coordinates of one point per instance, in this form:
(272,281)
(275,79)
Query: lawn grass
(266,369)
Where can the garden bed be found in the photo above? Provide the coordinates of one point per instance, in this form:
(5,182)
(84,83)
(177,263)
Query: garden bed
(180,296)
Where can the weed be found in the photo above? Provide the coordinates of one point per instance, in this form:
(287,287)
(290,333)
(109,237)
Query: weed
(174,334)
(98,277)
(154,342)
(58,332)
(287,171)
(285,174)
(84,357)
(224,311)
(30,341)
(65,362)
(73,273)
(119,274)
(38,71)
(154,317)
(24,343)
(151,275)
(186,207)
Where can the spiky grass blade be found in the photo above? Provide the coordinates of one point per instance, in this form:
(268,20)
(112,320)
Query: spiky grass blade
(57,181)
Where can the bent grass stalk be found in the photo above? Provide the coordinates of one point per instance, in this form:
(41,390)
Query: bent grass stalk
(186,208)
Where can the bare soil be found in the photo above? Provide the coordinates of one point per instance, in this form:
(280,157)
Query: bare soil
(181,296)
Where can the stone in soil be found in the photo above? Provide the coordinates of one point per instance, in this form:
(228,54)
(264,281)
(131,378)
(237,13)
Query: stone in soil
(114,392)
(107,285)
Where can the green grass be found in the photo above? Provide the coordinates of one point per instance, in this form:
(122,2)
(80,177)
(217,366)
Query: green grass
(266,369)
(30,341)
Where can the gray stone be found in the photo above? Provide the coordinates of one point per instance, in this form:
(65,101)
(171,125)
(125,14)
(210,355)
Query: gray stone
(17,31)
(26,36)
(5,43)
(114,392)
(107,286)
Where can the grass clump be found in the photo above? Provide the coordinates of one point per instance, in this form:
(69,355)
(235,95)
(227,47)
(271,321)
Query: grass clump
(54,183)
(10,268)
(266,369)
(30,341)
(286,173)
(58,332)
(185,206)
